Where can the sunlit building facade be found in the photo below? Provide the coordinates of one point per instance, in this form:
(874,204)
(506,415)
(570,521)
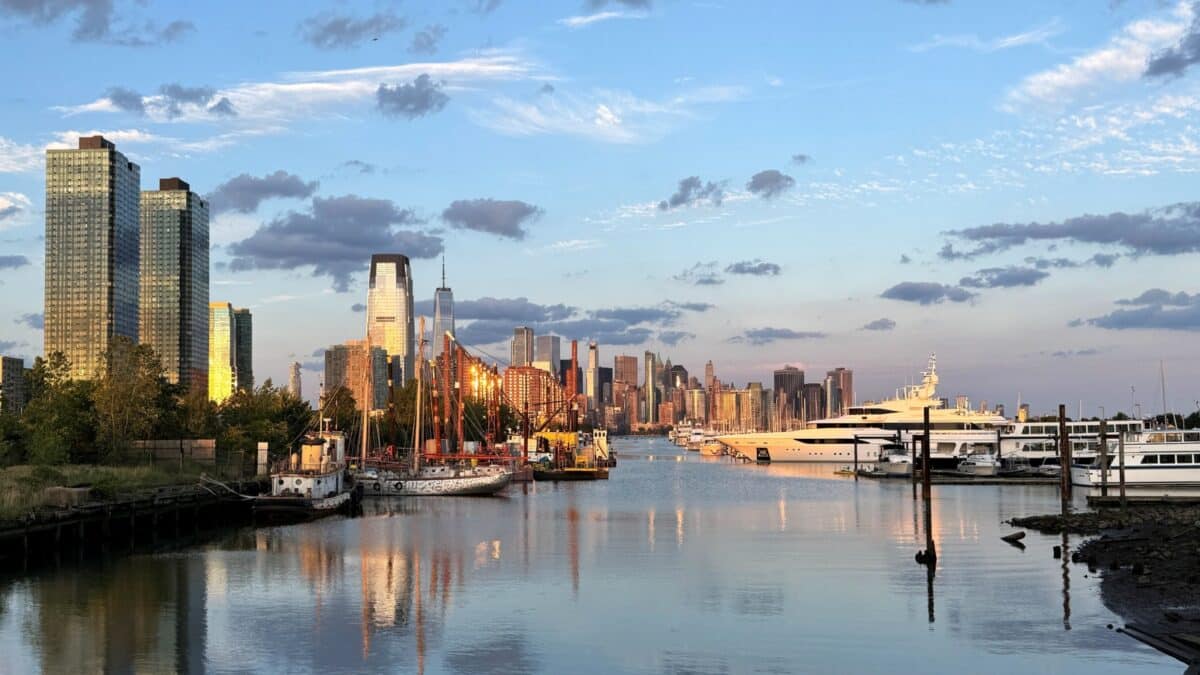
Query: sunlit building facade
(295,387)
(390,314)
(173,300)
(522,347)
(92,232)
(222,352)
(346,366)
(12,384)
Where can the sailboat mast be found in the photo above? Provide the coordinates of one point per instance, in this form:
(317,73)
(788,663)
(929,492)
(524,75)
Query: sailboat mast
(417,444)
(366,403)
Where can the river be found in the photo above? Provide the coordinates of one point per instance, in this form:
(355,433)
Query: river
(678,564)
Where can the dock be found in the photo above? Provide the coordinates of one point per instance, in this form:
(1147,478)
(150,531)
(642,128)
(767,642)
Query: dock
(949,478)
(1134,500)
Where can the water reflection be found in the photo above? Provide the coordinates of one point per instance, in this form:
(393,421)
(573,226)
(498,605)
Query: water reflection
(774,569)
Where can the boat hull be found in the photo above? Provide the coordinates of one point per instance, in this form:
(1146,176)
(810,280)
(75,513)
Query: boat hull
(441,486)
(1139,476)
(302,508)
(567,474)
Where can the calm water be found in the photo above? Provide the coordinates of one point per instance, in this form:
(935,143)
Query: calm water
(678,564)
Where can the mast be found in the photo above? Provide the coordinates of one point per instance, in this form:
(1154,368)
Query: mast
(416,457)
(1162,378)
(366,403)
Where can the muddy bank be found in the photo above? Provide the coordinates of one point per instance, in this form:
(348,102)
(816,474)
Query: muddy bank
(1149,560)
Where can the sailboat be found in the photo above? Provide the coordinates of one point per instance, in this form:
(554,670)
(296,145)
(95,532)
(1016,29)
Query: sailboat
(386,479)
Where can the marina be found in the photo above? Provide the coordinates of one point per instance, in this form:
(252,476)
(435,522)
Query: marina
(745,549)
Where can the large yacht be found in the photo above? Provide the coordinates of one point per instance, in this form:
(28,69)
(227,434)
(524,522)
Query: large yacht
(870,427)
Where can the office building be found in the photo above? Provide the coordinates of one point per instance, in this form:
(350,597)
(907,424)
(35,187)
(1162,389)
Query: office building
(243,331)
(839,391)
(222,351)
(443,314)
(814,401)
(708,375)
(93,197)
(390,315)
(12,385)
(548,349)
(564,370)
(533,390)
(346,368)
(591,377)
(604,383)
(625,370)
(173,281)
(522,347)
(789,388)
(651,388)
(294,382)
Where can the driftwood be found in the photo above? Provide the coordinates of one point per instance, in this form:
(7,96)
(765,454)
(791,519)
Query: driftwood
(1014,537)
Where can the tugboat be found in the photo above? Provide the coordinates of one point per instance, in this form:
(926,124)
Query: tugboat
(312,483)
(570,462)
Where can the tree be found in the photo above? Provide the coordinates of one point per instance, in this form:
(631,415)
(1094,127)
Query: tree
(128,396)
(59,420)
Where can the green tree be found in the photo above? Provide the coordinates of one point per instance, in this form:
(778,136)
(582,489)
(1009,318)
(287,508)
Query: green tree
(12,441)
(59,420)
(128,395)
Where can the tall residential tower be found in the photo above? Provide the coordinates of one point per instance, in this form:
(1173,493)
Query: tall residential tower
(92,225)
(173,302)
(222,351)
(522,347)
(243,333)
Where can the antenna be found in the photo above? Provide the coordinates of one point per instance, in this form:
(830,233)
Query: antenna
(443,271)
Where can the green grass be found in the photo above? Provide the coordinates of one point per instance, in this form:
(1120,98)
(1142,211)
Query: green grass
(21,487)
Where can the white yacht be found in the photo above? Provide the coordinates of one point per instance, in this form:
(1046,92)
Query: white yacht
(956,431)
(1037,441)
(1160,458)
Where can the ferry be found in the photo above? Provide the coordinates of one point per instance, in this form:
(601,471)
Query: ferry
(956,431)
(1161,458)
(1037,441)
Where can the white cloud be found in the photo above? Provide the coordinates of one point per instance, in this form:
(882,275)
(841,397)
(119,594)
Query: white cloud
(1036,35)
(18,158)
(1122,60)
(584,20)
(14,207)
(70,139)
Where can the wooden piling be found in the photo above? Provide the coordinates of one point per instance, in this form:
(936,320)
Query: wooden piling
(1103,458)
(1121,469)
(925,472)
(1064,455)
(856,458)
(914,468)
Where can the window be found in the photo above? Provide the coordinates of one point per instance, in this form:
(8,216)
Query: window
(1150,459)
(1166,459)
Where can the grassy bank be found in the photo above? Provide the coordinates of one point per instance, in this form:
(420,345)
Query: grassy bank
(23,488)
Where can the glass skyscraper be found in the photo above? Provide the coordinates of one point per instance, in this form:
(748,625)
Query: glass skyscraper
(222,351)
(522,347)
(173,303)
(390,313)
(243,333)
(92,232)
(443,314)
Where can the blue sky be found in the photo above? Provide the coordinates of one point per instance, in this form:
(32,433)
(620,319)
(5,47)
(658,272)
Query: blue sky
(754,183)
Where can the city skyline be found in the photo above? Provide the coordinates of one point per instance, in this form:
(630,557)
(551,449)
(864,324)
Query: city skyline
(1036,230)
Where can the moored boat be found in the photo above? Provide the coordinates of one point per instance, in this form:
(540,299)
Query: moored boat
(1160,458)
(312,484)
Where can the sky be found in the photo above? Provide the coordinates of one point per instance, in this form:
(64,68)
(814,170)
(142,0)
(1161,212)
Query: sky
(1010,185)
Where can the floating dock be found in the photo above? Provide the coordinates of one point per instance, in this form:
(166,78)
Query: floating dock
(944,478)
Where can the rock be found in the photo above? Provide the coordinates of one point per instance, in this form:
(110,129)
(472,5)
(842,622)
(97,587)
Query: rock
(1014,537)
(1138,569)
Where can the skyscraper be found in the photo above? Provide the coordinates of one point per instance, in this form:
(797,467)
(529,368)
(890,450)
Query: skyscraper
(625,370)
(814,401)
(91,291)
(708,375)
(346,366)
(443,313)
(522,347)
(591,377)
(839,391)
(222,351)
(390,314)
(173,281)
(295,387)
(12,385)
(789,387)
(651,388)
(243,333)
(548,348)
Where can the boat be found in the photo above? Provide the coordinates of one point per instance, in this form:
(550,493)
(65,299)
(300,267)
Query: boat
(712,448)
(979,464)
(382,478)
(1159,458)
(1037,441)
(866,429)
(568,473)
(310,484)
(897,463)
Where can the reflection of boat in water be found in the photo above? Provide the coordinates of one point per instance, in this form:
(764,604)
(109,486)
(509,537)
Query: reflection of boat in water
(569,473)
(1161,458)
(312,484)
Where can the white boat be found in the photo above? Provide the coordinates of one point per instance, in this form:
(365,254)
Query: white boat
(1160,458)
(979,464)
(392,479)
(310,484)
(1037,441)
(871,426)
(712,448)
(895,464)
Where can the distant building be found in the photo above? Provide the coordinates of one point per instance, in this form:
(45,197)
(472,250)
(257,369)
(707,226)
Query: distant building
(533,390)
(93,198)
(678,378)
(839,391)
(564,368)
(604,382)
(222,351)
(814,402)
(625,369)
(390,315)
(173,281)
(522,347)
(591,376)
(789,385)
(294,381)
(243,324)
(548,349)
(708,375)
(695,405)
(13,396)
(443,314)
(346,367)
(651,388)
